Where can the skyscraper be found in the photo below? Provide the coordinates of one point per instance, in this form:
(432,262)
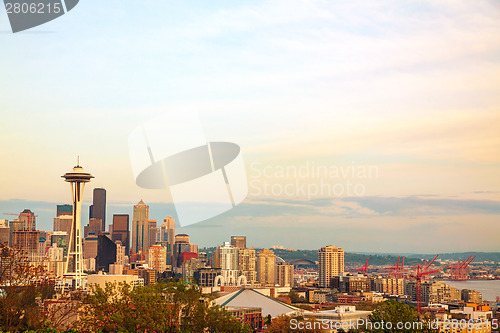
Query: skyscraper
(152,232)
(63,223)
(90,246)
(182,245)
(28,241)
(99,206)
(246,264)
(74,262)
(121,231)
(106,253)
(228,257)
(331,263)
(4,232)
(94,227)
(284,274)
(28,219)
(140,228)
(157,258)
(64,210)
(166,237)
(15,225)
(239,241)
(266,262)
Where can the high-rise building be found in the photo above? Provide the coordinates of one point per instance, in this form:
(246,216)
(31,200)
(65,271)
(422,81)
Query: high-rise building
(94,227)
(16,225)
(120,254)
(55,263)
(28,219)
(185,256)
(431,292)
(99,206)
(182,238)
(239,241)
(350,283)
(166,237)
(331,263)
(389,285)
(152,232)
(61,238)
(246,264)
(205,277)
(4,232)
(44,243)
(266,261)
(106,253)
(471,296)
(28,241)
(228,257)
(284,274)
(55,253)
(64,210)
(203,257)
(182,245)
(157,258)
(121,230)
(190,266)
(90,246)
(63,223)
(74,261)
(140,228)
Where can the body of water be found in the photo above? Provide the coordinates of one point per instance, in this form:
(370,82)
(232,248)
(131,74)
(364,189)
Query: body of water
(489,288)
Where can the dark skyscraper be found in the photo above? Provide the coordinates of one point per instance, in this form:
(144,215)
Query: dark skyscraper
(94,227)
(106,253)
(239,241)
(99,206)
(140,228)
(64,210)
(121,230)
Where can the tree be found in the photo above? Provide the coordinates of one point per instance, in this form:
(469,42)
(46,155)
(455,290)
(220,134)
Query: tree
(163,307)
(392,316)
(61,313)
(294,296)
(23,288)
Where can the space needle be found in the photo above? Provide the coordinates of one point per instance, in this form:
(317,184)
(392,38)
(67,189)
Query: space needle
(73,269)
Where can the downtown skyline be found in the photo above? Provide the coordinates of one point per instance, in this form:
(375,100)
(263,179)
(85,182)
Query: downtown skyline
(411,89)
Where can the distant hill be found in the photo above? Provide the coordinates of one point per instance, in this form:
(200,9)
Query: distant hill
(480,256)
(380,259)
(389,258)
(350,258)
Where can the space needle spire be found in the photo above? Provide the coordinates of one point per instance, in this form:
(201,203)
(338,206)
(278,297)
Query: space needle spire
(73,269)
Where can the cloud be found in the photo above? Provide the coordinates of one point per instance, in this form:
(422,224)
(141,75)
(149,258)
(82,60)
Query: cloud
(366,207)
(417,206)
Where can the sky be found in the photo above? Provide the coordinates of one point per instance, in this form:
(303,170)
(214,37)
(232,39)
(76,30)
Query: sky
(398,99)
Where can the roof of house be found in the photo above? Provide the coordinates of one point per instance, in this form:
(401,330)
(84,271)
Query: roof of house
(252,298)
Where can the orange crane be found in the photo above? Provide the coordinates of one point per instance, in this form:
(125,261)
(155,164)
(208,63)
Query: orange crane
(420,271)
(29,216)
(459,270)
(364,269)
(398,270)
(427,265)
